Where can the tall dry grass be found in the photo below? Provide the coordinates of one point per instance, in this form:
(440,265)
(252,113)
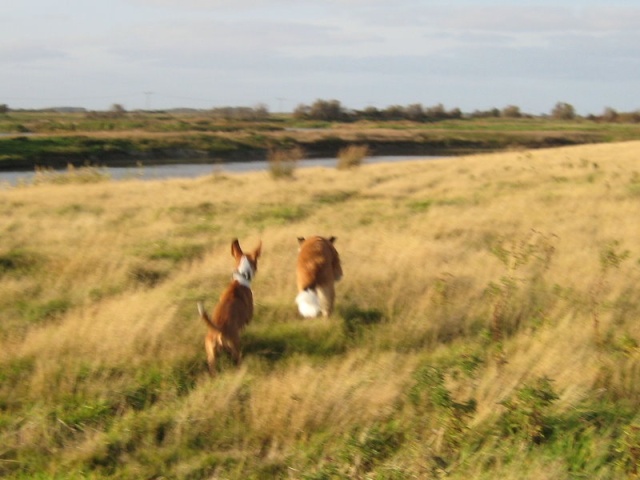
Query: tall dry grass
(282,162)
(352,156)
(488,269)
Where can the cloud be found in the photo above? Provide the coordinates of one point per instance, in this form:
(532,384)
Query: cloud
(25,53)
(245,4)
(358,47)
(500,17)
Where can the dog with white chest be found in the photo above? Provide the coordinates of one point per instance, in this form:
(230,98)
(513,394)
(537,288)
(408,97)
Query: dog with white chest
(234,310)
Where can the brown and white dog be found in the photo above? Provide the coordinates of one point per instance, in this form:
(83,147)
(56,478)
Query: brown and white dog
(234,309)
(318,268)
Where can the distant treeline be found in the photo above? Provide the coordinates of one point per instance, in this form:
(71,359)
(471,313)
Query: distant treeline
(335,111)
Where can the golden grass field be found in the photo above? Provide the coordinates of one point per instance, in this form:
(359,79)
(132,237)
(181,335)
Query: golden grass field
(494,270)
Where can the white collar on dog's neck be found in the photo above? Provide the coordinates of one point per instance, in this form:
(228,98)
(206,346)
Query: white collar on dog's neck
(244,273)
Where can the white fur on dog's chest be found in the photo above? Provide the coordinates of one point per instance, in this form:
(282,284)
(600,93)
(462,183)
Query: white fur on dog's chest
(244,274)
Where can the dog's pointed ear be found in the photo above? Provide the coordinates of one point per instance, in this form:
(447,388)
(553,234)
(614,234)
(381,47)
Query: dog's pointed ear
(332,239)
(257,251)
(300,240)
(236,251)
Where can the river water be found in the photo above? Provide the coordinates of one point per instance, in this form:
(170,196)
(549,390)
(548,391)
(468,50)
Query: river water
(192,170)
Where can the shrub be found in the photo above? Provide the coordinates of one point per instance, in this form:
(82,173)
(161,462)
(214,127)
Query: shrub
(352,156)
(282,162)
(532,256)
(367,449)
(610,258)
(527,413)
(430,395)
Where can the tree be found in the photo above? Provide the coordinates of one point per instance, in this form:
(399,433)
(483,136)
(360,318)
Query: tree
(117,110)
(511,111)
(563,111)
(371,113)
(394,112)
(414,112)
(436,112)
(301,112)
(261,111)
(4,108)
(455,113)
(609,115)
(328,110)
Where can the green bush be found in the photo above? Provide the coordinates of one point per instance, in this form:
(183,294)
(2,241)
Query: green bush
(368,447)
(431,397)
(528,411)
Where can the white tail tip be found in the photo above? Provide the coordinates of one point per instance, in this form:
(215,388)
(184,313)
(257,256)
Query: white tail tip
(201,310)
(308,303)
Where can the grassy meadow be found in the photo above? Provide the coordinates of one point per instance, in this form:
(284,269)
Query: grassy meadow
(486,326)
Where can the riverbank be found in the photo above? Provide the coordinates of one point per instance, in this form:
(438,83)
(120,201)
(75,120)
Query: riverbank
(185,170)
(120,144)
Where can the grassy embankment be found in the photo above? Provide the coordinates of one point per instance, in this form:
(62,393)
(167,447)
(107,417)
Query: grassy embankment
(56,139)
(487,325)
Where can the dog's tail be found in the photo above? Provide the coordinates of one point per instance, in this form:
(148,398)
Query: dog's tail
(308,303)
(205,317)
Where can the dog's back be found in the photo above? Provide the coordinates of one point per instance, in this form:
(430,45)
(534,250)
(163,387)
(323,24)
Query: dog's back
(234,310)
(318,268)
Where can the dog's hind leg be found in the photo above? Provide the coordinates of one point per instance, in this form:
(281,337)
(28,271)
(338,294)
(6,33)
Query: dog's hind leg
(210,349)
(326,295)
(233,346)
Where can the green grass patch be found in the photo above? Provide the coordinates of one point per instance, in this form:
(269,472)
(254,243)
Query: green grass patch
(357,320)
(19,261)
(334,197)
(147,275)
(277,342)
(175,253)
(277,214)
(420,206)
(35,311)
(77,208)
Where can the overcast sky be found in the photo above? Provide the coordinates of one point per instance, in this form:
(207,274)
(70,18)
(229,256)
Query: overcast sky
(470,54)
